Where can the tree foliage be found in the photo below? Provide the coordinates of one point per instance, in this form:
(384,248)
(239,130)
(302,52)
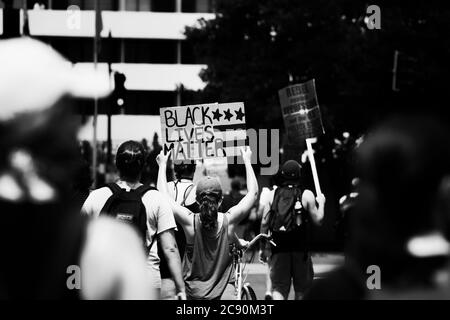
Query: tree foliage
(255,47)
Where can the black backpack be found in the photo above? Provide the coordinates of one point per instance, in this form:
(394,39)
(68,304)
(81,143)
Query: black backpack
(286,209)
(127,206)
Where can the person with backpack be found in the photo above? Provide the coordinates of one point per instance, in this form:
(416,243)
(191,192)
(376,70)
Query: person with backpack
(141,206)
(288,217)
(207,263)
(182,190)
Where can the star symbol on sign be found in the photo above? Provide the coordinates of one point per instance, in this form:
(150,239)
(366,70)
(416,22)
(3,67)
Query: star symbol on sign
(217,115)
(239,114)
(228,115)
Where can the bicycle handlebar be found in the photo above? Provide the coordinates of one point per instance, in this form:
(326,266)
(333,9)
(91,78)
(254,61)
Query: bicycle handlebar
(258,237)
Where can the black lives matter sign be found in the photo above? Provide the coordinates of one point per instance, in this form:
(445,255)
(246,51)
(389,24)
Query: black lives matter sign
(203,131)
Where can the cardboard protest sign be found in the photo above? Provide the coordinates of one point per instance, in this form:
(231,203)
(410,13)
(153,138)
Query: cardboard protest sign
(203,131)
(301,113)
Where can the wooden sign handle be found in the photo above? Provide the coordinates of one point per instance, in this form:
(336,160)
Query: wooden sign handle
(313,166)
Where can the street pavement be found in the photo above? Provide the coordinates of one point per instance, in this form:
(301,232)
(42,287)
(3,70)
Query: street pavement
(256,272)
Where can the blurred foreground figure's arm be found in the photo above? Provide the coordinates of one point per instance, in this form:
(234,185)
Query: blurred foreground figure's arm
(309,203)
(113,264)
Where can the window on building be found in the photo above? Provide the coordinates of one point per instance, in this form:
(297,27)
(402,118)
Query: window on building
(82,49)
(197,6)
(163,5)
(150,51)
(83,4)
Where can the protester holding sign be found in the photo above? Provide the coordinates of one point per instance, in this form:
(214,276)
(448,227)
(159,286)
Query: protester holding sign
(288,216)
(302,119)
(207,264)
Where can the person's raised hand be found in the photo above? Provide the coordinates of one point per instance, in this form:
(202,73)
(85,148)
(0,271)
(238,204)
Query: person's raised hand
(321,199)
(162,158)
(246,153)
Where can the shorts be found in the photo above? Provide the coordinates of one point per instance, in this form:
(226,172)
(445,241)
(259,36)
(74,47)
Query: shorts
(287,267)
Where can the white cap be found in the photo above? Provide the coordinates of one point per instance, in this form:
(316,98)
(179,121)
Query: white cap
(34,77)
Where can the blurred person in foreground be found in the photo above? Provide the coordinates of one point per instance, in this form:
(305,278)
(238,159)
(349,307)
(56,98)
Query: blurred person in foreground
(144,208)
(48,250)
(288,217)
(207,264)
(182,191)
(397,229)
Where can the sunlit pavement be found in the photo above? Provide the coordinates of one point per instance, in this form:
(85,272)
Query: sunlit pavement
(322,262)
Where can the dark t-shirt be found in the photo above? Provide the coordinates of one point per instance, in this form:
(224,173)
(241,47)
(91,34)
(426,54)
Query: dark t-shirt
(38,243)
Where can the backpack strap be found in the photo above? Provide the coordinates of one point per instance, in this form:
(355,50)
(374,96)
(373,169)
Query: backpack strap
(271,215)
(115,189)
(144,189)
(187,192)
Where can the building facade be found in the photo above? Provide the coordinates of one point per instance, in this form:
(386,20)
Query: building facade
(143,39)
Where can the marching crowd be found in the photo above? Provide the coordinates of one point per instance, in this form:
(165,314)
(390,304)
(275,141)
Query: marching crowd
(180,245)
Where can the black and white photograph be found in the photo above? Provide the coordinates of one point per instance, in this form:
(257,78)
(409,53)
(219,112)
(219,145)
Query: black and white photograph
(237,151)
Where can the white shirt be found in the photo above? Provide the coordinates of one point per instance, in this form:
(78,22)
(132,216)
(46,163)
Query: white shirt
(159,215)
(177,192)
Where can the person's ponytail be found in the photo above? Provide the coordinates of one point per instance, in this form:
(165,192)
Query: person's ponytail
(208,212)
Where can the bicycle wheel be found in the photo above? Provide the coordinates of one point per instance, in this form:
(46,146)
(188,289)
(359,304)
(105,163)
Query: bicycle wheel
(247,292)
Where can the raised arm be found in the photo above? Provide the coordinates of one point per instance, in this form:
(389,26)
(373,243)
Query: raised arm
(309,202)
(182,214)
(238,212)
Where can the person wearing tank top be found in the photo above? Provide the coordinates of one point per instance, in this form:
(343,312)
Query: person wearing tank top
(207,265)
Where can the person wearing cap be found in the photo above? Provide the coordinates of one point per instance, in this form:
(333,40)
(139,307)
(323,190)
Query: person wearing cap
(207,263)
(49,251)
(290,261)
(160,226)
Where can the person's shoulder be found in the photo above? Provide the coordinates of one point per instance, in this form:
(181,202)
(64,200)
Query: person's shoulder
(152,199)
(100,191)
(308,195)
(153,194)
(98,195)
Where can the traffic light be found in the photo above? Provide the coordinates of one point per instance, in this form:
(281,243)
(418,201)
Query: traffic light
(119,94)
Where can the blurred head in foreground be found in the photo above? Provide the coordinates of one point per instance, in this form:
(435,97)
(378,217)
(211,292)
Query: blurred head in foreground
(37,132)
(38,161)
(402,165)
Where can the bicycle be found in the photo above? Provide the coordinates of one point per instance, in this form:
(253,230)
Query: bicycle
(244,291)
